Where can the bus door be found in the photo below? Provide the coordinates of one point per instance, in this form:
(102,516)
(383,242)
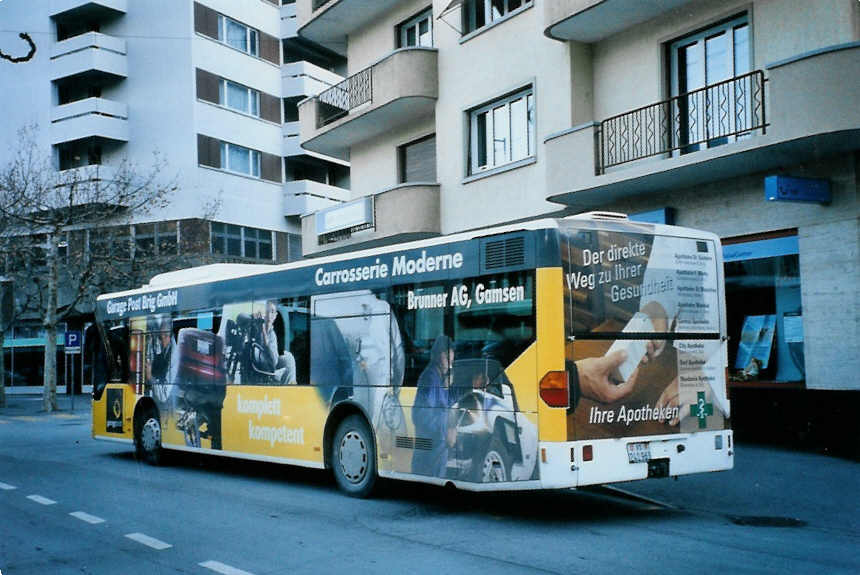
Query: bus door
(371,341)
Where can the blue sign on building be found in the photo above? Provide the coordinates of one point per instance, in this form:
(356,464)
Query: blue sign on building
(72,343)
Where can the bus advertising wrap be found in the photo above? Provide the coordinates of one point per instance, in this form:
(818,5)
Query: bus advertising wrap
(643,324)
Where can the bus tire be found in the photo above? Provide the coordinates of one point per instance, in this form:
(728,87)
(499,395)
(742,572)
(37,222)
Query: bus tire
(147,437)
(495,466)
(354,457)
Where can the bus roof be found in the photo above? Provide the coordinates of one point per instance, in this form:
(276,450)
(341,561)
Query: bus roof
(215,272)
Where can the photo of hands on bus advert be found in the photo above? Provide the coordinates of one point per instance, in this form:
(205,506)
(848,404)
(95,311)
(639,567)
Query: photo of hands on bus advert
(548,354)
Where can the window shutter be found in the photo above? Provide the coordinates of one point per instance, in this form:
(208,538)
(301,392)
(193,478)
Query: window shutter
(205,21)
(208,151)
(207,86)
(270,108)
(418,161)
(270,48)
(270,168)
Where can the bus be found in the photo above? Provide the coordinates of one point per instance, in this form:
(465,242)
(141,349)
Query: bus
(551,354)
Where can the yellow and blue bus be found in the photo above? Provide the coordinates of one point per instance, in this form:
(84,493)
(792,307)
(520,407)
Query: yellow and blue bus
(550,354)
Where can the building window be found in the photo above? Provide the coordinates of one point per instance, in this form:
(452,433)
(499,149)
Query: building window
(240,160)
(763,308)
(240,98)
(417,160)
(417,31)
(238,35)
(156,239)
(480,13)
(110,243)
(502,131)
(706,58)
(241,241)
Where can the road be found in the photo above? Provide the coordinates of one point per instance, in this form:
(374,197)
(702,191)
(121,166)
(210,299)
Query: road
(70,504)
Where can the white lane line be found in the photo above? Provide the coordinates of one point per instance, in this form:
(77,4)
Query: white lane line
(91,519)
(148,541)
(7,487)
(223,569)
(40,499)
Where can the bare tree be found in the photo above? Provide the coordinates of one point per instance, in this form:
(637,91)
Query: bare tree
(43,208)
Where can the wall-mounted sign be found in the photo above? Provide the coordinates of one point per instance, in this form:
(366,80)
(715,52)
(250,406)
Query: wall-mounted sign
(344,216)
(790,189)
(660,216)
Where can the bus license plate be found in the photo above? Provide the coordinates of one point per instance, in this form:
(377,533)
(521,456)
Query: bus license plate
(638,452)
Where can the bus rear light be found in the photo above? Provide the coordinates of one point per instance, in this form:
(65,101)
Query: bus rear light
(543,454)
(553,389)
(587,453)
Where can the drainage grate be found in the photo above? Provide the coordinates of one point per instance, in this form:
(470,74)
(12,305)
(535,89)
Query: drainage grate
(763,521)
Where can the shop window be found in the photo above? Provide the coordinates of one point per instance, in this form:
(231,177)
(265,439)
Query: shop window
(763,305)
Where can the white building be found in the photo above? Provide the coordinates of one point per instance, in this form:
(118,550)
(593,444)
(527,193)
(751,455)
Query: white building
(210,85)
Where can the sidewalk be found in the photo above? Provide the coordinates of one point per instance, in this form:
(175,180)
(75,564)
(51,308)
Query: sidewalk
(31,405)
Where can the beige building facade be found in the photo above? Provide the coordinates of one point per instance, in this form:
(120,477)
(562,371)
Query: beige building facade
(736,117)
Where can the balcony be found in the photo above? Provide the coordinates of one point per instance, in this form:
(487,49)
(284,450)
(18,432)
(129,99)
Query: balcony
(289,22)
(91,53)
(88,9)
(402,213)
(93,117)
(306,79)
(395,91)
(330,22)
(306,196)
(720,132)
(593,20)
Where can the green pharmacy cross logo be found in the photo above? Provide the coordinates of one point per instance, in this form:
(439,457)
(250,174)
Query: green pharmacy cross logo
(701,410)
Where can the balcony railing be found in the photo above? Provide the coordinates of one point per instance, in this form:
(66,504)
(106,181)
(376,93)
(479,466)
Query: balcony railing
(337,101)
(709,116)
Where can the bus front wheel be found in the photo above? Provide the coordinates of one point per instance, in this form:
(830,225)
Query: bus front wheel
(147,437)
(354,457)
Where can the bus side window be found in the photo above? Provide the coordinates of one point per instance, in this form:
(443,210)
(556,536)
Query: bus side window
(419,326)
(297,336)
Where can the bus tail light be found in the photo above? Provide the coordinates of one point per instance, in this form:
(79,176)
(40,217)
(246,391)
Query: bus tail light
(587,453)
(553,389)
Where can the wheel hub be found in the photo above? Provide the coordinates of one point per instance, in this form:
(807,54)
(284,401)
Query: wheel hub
(353,457)
(494,468)
(150,435)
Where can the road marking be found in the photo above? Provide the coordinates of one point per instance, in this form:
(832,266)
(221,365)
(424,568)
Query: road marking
(91,519)
(148,541)
(40,499)
(223,569)
(7,487)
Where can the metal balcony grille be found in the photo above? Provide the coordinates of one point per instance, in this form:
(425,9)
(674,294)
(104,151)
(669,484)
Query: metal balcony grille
(709,116)
(338,100)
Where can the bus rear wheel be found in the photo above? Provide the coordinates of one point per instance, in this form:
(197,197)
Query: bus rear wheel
(147,437)
(354,457)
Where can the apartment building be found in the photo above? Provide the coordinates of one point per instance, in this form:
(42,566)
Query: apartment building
(736,117)
(210,85)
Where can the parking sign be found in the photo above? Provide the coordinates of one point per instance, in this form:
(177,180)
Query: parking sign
(73,342)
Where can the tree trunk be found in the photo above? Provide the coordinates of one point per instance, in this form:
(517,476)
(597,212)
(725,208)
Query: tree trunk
(49,397)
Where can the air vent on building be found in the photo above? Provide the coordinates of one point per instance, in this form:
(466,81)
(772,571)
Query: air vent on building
(504,253)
